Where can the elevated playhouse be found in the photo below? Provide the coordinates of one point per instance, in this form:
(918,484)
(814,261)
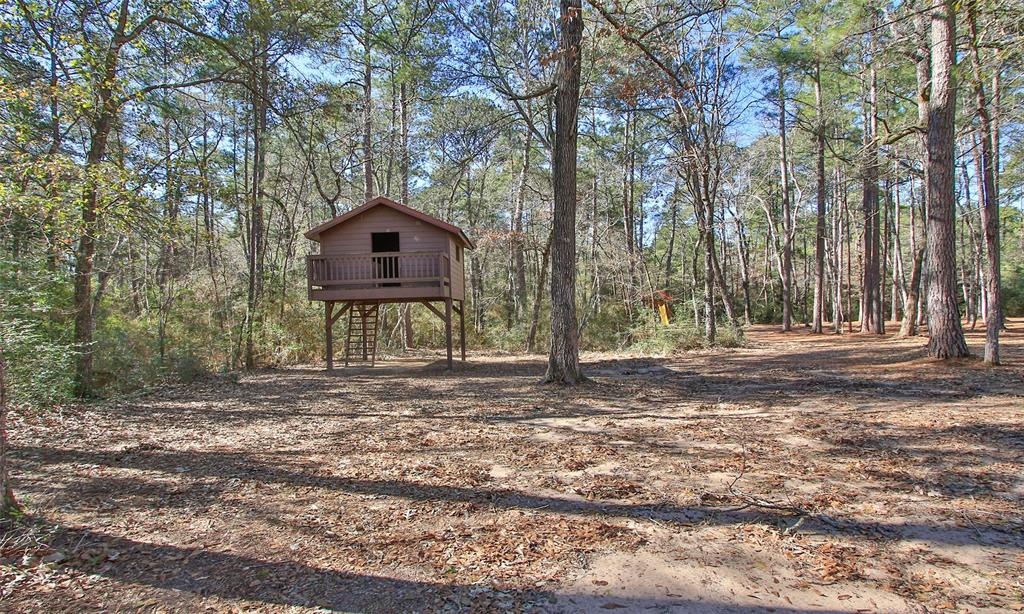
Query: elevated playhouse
(385,252)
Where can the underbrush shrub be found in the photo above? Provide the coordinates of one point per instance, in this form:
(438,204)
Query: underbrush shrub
(503,339)
(659,340)
(39,368)
(1013,292)
(126,354)
(729,336)
(35,333)
(606,328)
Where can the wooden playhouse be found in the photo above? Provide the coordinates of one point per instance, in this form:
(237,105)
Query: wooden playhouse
(385,252)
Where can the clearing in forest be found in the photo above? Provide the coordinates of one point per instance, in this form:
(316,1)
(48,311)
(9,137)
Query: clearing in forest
(800,473)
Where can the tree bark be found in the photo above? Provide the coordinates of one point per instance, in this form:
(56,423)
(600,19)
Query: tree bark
(787,213)
(946,337)
(709,286)
(368,188)
(542,277)
(628,211)
(871,318)
(8,504)
(518,213)
(989,198)
(819,244)
(563,361)
(403,101)
(257,245)
(86,252)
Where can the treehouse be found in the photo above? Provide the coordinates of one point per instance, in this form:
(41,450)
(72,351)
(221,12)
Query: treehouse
(385,252)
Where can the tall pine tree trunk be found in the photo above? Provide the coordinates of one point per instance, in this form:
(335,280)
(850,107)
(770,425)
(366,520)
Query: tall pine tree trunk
(946,337)
(911,313)
(787,213)
(563,361)
(518,260)
(989,199)
(368,188)
(819,244)
(404,113)
(871,319)
(257,246)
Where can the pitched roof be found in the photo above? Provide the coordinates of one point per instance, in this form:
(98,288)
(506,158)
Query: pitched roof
(314,233)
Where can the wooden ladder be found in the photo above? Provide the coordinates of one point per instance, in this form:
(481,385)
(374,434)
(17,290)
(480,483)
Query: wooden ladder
(361,345)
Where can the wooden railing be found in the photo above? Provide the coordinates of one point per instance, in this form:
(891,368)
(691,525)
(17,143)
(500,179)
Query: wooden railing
(379,269)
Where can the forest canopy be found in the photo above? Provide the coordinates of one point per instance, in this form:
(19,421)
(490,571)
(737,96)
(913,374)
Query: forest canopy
(759,162)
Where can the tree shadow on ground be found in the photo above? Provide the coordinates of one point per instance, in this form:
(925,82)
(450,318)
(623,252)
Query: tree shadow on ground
(224,465)
(496,391)
(205,572)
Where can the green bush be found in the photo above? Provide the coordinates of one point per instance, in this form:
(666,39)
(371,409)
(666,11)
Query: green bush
(1013,293)
(660,340)
(35,333)
(38,368)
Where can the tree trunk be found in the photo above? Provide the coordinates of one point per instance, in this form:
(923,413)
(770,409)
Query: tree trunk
(944,327)
(403,101)
(819,244)
(912,309)
(542,277)
(871,317)
(563,361)
(838,208)
(8,504)
(726,293)
(256,240)
(709,286)
(908,327)
(743,249)
(899,282)
(86,252)
(787,213)
(989,199)
(518,260)
(368,188)
(628,215)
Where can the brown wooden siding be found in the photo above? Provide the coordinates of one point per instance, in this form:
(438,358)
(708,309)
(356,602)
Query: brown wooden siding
(346,269)
(353,237)
(458,270)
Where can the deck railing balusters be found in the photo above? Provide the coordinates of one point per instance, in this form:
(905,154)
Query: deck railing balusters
(389,267)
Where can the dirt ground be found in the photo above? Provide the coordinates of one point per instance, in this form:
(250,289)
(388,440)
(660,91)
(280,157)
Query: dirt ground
(799,474)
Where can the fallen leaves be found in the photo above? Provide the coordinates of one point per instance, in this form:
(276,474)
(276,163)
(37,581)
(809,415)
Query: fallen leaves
(484,492)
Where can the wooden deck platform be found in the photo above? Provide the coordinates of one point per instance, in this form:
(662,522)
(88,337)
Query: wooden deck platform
(382,277)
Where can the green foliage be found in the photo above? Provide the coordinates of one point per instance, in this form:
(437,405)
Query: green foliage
(38,368)
(660,340)
(1013,293)
(35,341)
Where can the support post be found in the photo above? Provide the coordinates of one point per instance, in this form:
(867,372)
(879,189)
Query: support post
(448,328)
(364,311)
(329,333)
(462,328)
